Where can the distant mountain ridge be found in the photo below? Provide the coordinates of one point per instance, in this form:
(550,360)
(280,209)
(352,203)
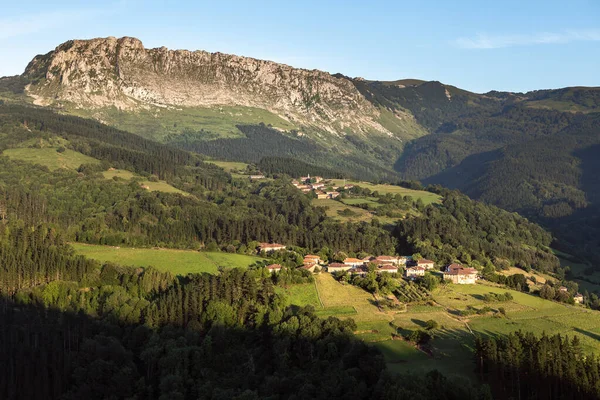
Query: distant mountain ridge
(122,73)
(527,152)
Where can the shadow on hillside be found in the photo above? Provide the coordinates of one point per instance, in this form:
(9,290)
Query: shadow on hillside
(47,353)
(589,334)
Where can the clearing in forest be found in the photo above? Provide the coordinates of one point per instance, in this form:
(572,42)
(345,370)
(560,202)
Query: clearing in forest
(178,262)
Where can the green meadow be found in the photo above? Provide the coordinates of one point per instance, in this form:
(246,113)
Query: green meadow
(426,197)
(159,186)
(452,345)
(50,157)
(178,262)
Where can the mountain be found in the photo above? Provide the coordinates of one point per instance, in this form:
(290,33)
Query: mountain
(160,94)
(527,152)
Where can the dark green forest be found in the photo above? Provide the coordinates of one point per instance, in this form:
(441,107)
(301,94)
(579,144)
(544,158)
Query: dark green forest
(523,366)
(534,153)
(476,234)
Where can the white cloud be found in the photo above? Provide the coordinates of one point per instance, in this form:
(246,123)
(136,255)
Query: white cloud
(484,41)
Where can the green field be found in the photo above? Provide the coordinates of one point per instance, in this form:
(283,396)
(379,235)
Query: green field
(425,196)
(179,262)
(230,166)
(301,295)
(333,206)
(50,158)
(159,186)
(157,122)
(371,201)
(452,345)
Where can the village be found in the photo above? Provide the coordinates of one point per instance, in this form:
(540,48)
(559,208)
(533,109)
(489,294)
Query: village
(406,267)
(409,268)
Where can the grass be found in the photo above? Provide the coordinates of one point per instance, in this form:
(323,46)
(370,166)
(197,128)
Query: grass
(178,262)
(333,206)
(230,166)
(425,196)
(341,297)
(452,346)
(159,186)
(304,294)
(371,201)
(49,157)
(157,123)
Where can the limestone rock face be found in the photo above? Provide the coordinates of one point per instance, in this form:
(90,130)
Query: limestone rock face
(122,73)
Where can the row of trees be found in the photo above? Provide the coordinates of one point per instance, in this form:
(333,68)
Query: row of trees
(524,366)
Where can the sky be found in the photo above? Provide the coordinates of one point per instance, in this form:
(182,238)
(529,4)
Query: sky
(476,45)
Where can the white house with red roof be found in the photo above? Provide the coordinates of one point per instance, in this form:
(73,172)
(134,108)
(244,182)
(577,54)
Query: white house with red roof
(458,274)
(273,268)
(414,272)
(269,247)
(336,267)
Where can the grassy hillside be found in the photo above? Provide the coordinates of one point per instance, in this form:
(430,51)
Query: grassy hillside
(211,122)
(453,341)
(426,197)
(179,262)
(50,157)
(158,186)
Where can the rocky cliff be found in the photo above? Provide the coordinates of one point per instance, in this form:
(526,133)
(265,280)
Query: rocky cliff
(120,72)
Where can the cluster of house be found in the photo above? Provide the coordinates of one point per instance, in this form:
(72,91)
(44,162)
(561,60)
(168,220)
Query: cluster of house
(578,297)
(413,269)
(307,184)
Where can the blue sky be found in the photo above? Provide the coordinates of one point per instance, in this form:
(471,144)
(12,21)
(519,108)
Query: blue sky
(475,45)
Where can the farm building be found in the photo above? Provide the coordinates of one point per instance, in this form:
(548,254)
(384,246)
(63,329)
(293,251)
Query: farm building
(322,195)
(388,268)
(563,289)
(458,274)
(353,261)
(333,195)
(269,247)
(256,177)
(360,270)
(309,267)
(578,298)
(427,264)
(311,258)
(336,267)
(274,268)
(396,260)
(414,272)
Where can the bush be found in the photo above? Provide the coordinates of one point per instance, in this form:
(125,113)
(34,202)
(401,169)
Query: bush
(431,324)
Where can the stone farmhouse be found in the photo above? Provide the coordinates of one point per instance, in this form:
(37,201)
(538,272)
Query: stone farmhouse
(273,268)
(269,247)
(458,274)
(414,272)
(427,264)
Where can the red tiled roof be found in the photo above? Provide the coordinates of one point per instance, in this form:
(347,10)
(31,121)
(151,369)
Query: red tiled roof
(274,266)
(338,265)
(457,269)
(424,261)
(416,268)
(352,260)
(312,256)
(270,245)
(388,267)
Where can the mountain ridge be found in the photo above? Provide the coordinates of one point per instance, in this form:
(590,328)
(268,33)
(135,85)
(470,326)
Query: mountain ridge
(122,73)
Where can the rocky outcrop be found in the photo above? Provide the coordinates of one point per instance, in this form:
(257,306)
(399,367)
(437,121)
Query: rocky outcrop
(122,73)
